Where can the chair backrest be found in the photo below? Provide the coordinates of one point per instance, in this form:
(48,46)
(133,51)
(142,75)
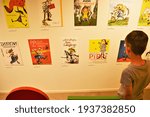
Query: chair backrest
(27,93)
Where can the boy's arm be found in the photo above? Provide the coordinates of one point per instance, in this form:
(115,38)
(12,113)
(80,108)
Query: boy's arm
(128,92)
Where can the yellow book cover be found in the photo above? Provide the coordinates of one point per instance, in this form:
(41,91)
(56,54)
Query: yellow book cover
(144,19)
(16,13)
(98,50)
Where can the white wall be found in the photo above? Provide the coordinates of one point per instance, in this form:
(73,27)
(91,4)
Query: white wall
(73,77)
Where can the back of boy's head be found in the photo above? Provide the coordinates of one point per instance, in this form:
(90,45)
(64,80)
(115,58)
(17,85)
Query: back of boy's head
(137,40)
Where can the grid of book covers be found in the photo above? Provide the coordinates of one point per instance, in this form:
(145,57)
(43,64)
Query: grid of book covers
(85,13)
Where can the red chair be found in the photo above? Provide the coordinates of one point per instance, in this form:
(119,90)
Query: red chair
(27,93)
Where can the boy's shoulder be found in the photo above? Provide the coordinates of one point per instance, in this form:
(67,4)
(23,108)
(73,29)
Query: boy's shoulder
(131,68)
(128,69)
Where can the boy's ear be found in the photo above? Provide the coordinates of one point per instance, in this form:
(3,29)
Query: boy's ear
(128,50)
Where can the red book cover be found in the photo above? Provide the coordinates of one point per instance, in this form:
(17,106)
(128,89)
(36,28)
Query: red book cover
(40,51)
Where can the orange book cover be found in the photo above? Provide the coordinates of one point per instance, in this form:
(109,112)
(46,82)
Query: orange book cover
(40,51)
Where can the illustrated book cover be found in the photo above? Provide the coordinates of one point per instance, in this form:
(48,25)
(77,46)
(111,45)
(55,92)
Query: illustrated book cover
(16,13)
(10,53)
(98,50)
(85,12)
(119,12)
(70,53)
(144,19)
(51,13)
(40,51)
(122,56)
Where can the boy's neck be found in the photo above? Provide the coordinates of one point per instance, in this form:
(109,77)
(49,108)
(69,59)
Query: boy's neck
(137,60)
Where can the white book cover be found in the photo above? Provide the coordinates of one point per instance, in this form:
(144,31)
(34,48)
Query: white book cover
(50,13)
(119,12)
(10,53)
(70,53)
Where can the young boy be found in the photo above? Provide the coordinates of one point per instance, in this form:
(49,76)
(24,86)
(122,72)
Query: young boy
(137,75)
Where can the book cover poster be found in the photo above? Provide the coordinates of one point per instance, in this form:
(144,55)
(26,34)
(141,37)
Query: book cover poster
(70,54)
(40,51)
(16,13)
(98,50)
(119,12)
(144,19)
(122,56)
(85,12)
(11,53)
(51,13)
